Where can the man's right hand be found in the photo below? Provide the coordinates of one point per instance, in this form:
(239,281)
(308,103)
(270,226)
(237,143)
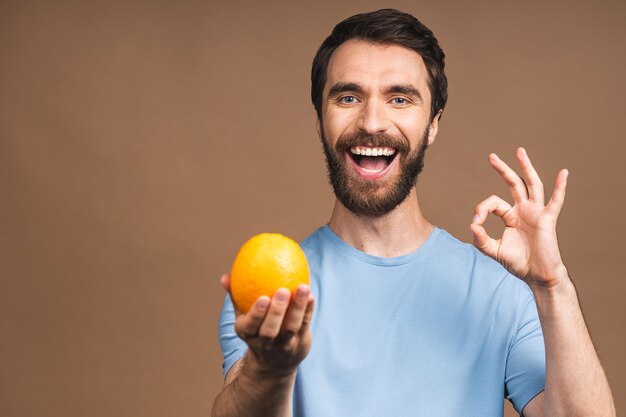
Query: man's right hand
(277,333)
(276,330)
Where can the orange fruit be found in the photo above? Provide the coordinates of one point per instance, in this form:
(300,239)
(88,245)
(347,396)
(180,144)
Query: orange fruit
(265,263)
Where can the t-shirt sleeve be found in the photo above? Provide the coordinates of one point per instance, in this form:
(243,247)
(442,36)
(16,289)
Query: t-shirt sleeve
(233,348)
(525,368)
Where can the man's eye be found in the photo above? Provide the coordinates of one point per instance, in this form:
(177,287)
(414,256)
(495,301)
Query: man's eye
(399,100)
(347,100)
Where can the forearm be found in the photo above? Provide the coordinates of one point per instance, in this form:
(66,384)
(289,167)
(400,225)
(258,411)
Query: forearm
(576,384)
(255,394)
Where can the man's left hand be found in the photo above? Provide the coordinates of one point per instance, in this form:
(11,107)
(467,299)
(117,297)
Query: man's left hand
(528,247)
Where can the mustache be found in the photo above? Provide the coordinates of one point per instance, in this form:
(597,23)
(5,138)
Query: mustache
(383,140)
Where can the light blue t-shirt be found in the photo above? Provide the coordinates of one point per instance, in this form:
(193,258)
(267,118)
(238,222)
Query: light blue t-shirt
(443,331)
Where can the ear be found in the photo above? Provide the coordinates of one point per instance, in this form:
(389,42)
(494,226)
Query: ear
(434,128)
(318,127)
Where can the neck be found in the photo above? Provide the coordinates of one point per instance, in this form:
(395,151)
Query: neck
(396,233)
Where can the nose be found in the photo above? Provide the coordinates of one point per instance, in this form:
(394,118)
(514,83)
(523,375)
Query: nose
(372,118)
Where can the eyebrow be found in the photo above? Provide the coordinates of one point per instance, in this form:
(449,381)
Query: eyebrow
(406,89)
(339,88)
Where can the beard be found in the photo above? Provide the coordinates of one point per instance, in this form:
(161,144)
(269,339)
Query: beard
(369,198)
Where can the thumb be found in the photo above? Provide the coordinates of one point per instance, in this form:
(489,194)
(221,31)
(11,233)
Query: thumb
(225,281)
(483,242)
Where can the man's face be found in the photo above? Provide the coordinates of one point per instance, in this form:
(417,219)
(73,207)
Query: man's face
(375,124)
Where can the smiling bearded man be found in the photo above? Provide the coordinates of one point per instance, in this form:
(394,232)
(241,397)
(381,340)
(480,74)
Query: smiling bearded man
(408,320)
(367,197)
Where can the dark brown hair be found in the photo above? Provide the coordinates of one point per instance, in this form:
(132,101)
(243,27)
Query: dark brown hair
(389,27)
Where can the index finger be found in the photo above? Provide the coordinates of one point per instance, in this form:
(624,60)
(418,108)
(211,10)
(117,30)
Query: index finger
(247,325)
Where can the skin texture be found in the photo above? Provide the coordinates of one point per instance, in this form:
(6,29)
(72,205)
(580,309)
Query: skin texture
(277,331)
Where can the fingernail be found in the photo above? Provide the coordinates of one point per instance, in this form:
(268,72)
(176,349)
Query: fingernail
(476,218)
(302,292)
(262,303)
(282,295)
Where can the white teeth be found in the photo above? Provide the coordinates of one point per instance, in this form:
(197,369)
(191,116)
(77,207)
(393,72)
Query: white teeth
(364,150)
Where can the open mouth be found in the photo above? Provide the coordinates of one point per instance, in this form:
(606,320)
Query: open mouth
(372,162)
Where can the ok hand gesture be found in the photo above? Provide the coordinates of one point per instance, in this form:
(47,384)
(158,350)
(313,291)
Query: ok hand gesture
(528,247)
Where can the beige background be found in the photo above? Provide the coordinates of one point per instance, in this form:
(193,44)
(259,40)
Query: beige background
(142,142)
